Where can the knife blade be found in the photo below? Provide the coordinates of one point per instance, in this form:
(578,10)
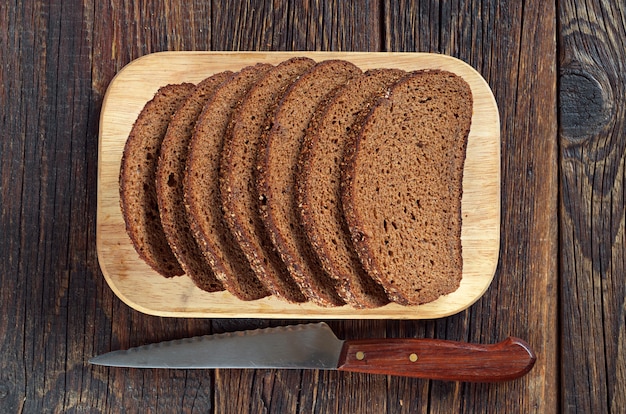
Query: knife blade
(315,346)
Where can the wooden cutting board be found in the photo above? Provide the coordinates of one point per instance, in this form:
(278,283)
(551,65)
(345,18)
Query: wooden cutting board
(140,287)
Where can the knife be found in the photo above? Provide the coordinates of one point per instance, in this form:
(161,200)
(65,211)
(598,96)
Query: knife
(315,346)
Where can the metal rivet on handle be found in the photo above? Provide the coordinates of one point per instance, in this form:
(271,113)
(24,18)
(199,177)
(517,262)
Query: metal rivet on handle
(413,357)
(360,355)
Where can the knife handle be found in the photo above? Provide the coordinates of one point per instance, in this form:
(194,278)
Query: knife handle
(438,359)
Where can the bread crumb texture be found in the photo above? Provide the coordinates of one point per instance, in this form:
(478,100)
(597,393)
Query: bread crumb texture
(404,195)
(307,181)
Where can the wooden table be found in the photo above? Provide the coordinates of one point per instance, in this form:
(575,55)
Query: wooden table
(557,72)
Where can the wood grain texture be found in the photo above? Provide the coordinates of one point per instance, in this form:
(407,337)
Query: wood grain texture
(519,66)
(438,359)
(592,238)
(57,59)
(121,32)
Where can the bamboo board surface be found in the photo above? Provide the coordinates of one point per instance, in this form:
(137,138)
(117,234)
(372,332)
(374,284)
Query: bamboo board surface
(140,287)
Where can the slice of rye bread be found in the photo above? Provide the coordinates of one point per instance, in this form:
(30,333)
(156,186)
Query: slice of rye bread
(202,192)
(278,157)
(318,185)
(138,198)
(169,185)
(403,186)
(238,175)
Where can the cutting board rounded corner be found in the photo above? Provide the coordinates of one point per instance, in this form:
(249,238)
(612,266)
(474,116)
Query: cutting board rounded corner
(142,289)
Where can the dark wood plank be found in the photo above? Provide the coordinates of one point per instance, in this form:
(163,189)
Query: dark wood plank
(123,31)
(592,157)
(518,63)
(37,273)
(13,116)
(304,25)
(57,60)
(57,310)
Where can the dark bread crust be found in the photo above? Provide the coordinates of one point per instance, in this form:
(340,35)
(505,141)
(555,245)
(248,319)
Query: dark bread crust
(169,185)
(202,192)
(319,185)
(238,175)
(278,158)
(138,198)
(402,186)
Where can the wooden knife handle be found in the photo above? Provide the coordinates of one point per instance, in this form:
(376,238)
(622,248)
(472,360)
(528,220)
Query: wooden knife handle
(438,359)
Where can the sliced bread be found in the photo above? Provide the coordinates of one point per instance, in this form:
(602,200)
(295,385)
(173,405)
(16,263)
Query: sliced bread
(138,198)
(238,175)
(169,185)
(277,166)
(319,185)
(403,186)
(202,192)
